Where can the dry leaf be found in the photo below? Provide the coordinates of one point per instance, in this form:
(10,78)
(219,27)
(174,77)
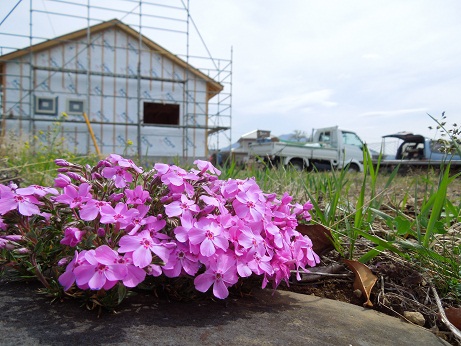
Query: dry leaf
(320,236)
(454,316)
(364,279)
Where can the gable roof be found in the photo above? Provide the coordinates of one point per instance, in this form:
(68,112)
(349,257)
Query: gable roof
(213,86)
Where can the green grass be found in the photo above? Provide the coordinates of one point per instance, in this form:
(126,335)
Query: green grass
(374,207)
(34,159)
(413,217)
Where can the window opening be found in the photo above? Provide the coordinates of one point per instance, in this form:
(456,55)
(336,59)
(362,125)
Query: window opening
(161,114)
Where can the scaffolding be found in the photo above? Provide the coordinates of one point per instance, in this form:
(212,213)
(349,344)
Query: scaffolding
(166,23)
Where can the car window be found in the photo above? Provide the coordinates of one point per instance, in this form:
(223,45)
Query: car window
(352,139)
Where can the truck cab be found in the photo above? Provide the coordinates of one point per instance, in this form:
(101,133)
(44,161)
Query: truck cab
(349,145)
(329,148)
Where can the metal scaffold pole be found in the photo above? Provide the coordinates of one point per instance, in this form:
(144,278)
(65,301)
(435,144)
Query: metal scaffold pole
(113,59)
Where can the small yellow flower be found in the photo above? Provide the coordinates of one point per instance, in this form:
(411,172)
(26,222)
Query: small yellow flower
(40,132)
(129,142)
(64,115)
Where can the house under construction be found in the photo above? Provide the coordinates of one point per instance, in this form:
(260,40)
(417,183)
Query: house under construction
(116,88)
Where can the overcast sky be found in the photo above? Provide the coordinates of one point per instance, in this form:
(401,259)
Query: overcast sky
(374,67)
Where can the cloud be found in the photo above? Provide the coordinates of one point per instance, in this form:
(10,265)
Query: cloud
(371,56)
(393,113)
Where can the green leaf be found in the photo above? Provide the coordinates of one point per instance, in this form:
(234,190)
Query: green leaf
(385,244)
(121,292)
(371,254)
(403,225)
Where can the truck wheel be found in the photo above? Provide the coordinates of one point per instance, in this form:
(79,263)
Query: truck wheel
(353,168)
(297,165)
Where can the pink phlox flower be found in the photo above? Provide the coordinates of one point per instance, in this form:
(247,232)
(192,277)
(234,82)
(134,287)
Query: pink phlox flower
(249,202)
(272,232)
(25,204)
(230,189)
(303,210)
(102,270)
(138,220)
(208,233)
(131,164)
(181,260)
(154,224)
(215,202)
(67,278)
(122,162)
(204,166)
(177,208)
(187,223)
(120,175)
(232,234)
(135,275)
(221,273)
(91,209)
(37,190)
(282,264)
(176,178)
(120,215)
(303,253)
(114,158)
(283,220)
(286,199)
(260,264)
(271,197)
(161,168)
(137,196)
(252,241)
(142,246)
(75,196)
(243,268)
(72,236)
(6,190)
(62,181)
(234,186)
(154,270)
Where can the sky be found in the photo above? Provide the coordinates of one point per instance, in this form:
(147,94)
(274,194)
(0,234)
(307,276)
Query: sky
(373,67)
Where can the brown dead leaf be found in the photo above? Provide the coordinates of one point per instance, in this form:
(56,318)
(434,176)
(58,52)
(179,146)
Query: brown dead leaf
(320,236)
(454,316)
(364,279)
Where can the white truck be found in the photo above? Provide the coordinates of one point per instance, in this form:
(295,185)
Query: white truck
(331,147)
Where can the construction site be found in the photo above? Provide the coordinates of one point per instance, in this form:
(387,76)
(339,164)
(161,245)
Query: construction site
(118,76)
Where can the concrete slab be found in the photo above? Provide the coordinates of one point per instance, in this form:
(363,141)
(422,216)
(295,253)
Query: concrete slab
(282,318)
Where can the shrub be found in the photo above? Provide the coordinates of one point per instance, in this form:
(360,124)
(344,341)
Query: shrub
(107,228)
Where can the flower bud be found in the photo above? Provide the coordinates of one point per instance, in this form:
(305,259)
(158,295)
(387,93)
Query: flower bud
(62,262)
(13,237)
(62,163)
(101,232)
(76,177)
(62,181)
(116,197)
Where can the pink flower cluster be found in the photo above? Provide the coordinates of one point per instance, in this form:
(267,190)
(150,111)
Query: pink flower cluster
(122,223)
